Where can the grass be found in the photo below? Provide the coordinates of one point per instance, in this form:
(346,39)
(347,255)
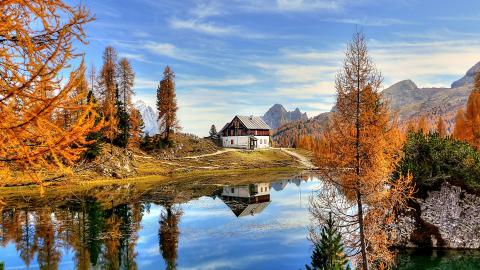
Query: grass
(229,165)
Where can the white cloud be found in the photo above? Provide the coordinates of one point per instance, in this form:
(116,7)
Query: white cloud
(370,21)
(220,82)
(202,27)
(307,5)
(169,50)
(207,9)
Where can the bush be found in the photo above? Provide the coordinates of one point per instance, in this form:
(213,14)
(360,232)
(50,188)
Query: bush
(432,159)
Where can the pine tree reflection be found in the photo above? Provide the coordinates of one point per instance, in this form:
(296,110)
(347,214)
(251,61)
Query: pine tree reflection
(169,234)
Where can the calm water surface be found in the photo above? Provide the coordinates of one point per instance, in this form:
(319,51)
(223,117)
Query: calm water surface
(196,225)
(252,226)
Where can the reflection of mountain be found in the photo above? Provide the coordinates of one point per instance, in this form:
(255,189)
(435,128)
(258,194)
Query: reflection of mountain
(247,199)
(278,186)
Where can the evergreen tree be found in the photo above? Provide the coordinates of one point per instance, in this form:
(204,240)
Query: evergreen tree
(167,103)
(123,123)
(108,90)
(94,138)
(213,131)
(328,254)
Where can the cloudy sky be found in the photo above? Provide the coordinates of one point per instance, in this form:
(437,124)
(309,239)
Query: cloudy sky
(242,56)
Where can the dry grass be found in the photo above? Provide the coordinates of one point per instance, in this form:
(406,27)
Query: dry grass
(150,171)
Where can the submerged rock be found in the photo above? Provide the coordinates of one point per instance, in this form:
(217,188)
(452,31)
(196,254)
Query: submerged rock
(446,218)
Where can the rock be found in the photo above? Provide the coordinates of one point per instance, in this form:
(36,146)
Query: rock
(446,218)
(114,162)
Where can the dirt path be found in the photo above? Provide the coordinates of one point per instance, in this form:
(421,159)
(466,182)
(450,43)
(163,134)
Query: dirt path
(301,158)
(214,153)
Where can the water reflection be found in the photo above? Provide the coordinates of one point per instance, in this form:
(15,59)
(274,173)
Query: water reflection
(248,199)
(106,231)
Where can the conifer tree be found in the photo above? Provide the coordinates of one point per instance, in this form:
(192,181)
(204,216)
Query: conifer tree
(467,122)
(36,49)
(108,90)
(167,103)
(213,131)
(423,125)
(357,155)
(328,254)
(136,129)
(441,127)
(124,101)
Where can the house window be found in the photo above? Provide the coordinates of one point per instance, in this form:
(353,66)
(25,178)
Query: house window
(231,141)
(232,190)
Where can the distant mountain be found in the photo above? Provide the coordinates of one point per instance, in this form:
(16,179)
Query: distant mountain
(149,116)
(468,78)
(406,99)
(277,115)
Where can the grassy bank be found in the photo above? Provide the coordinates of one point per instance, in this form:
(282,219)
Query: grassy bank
(226,163)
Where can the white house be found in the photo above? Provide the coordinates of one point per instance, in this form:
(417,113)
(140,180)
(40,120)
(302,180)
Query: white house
(246,200)
(247,132)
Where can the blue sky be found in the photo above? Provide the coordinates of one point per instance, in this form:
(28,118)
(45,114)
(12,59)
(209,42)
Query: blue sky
(242,56)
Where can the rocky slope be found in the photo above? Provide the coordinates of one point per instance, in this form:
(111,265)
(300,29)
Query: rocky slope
(149,116)
(446,218)
(277,115)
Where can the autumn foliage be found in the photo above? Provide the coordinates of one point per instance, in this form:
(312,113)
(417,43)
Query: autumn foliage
(358,153)
(467,122)
(43,109)
(167,104)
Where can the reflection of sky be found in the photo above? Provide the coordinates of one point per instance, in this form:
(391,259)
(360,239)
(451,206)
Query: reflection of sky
(212,237)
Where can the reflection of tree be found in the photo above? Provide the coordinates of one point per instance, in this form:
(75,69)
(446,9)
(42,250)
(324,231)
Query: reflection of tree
(168,235)
(98,237)
(84,229)
(121,235)
(48,250)
(25,242)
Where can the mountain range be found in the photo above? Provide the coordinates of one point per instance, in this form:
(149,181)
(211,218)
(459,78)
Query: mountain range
(277,116)
(405,99)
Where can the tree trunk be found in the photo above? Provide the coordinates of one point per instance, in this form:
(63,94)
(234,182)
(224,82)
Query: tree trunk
(359,195)
(362,233)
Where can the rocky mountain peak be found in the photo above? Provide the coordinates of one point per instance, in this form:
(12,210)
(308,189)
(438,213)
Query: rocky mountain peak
(404,85)
(149,117)
(469,76)
(277,115)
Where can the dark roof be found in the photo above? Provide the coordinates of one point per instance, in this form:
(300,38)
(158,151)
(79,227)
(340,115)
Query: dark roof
(253,122)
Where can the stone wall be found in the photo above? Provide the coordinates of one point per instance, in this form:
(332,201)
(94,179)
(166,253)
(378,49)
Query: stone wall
(446,218)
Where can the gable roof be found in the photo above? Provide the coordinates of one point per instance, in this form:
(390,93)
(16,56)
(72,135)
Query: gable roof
(253,122)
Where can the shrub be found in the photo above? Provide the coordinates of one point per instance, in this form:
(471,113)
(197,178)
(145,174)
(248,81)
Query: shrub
(432,159)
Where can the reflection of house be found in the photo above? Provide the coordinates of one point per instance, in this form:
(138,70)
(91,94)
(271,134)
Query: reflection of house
(249,132)
(247,199)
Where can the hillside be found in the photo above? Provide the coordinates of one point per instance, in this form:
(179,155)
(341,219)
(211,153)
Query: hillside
(406,99)
(286,135)
(277,116)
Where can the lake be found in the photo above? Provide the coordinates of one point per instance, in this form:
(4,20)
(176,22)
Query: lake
(199,224)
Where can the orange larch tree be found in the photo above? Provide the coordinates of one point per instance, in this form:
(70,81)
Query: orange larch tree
(136,128)
(357,155)
(108,89)
(467,122)
(167,103)
(424,125)
(441,127)
(37,82)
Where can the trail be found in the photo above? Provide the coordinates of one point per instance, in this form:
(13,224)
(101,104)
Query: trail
(214,153)
(301,158)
